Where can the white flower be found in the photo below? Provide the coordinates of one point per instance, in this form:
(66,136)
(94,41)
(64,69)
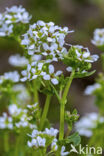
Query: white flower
(10,16)
(83,54)
(85,125)
(52,76)
(17,60)
(14,110)
(13,76)
(90,89)
(98,38)
(63,153)
(39,138)
(23,95)
(6,122)
(38,142)
(54,145)
(51,132)
(17,14)
(46,39)
(41,141)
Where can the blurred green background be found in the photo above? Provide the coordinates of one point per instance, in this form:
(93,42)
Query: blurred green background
(83,16)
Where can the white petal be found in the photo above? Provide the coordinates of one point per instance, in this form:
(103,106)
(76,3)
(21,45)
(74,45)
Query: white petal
(58,73)
(54,81)
(78,54)
(94,57)
(69,69)
(46,77)
(45,46)
(34,77)
(51,69)
(86,54)
(23,79)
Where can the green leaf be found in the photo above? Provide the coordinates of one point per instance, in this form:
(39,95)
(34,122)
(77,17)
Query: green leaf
(74,138)
(81,75)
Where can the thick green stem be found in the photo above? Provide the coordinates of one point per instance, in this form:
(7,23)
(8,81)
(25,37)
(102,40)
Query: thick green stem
(45,111)
(61,131)
(62,106)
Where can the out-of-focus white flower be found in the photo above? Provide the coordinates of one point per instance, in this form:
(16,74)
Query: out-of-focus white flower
(6,30)
(51,132)
(98,38)
(14,110)
(18,117)
(6,122)
(11,16)
(63,153)
(17,60)
(85,125)
(22,95)
(39,138)
(38,142)
(54,145)
(90,89)
(13,76)
(17,14)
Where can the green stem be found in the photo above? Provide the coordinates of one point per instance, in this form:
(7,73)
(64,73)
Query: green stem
(36,98)
(61,130)
(18,140)
(67,87)
(56,93)
(62,106)
(45,111)
(6,142)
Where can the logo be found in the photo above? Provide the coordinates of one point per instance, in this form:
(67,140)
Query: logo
(86,150)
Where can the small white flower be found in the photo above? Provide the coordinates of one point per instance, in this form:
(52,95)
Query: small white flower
(41,141)
(90,89)
(52,76)
(63,153)
(51,131)
(13,76)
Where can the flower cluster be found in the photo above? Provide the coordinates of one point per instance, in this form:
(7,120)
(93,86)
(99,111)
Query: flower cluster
(79,58)
(98,38)
(6,122)
(86,124)
(18,118)
(45,139)
(41,70)
(12,76)
(10,17)
(46,39)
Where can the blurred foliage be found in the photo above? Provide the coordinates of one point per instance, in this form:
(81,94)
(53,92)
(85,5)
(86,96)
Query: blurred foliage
(46,10)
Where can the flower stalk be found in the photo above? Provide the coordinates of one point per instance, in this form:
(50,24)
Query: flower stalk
(62,106)
(45,111)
